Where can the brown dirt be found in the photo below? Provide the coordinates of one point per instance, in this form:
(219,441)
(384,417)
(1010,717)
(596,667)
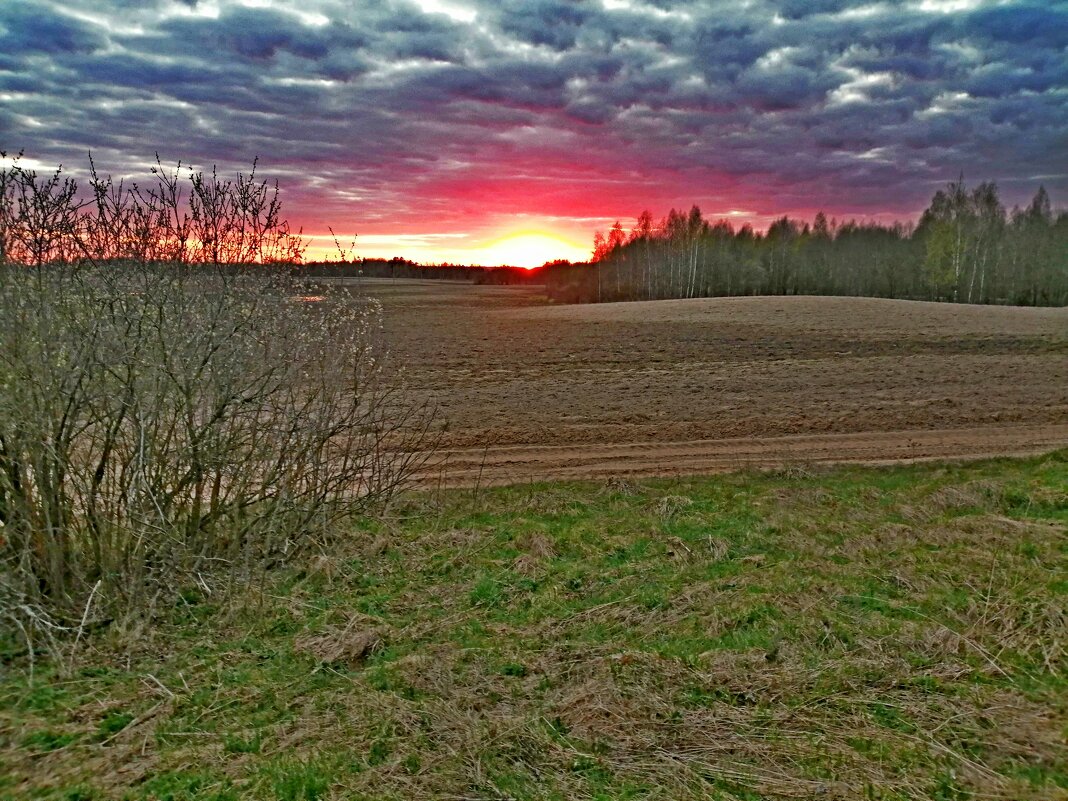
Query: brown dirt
(535,391)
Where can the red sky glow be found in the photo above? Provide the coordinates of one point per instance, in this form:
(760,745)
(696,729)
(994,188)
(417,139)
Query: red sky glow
(439,129)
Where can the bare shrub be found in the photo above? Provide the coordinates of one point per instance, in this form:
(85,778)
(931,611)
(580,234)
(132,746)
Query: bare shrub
(40,216)
(163,420)
(160,423)
(213,220)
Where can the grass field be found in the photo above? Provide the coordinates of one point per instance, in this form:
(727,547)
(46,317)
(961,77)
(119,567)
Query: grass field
(857,633)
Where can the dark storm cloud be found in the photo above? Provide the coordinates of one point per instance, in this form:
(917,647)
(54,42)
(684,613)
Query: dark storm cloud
(24,29)
(246,33)
(401,109)
(556,23)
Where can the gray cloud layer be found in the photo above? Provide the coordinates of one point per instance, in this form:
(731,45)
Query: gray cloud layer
(403,112)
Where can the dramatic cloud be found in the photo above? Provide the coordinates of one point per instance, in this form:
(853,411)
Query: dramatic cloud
(478,116)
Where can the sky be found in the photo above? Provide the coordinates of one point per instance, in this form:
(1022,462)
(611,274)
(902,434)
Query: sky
(478,131)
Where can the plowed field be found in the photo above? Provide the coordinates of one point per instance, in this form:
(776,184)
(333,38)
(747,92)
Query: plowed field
(534,391)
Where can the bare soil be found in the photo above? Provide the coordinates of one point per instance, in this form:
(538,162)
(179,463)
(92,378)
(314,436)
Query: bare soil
(529,390)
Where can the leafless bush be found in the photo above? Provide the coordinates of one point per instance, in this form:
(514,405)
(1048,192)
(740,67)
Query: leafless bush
(213,220)
(162,425)
(164,419)
(39,216)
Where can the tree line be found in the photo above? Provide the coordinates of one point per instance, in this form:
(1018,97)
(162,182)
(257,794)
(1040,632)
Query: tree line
(406,269)
(966,248)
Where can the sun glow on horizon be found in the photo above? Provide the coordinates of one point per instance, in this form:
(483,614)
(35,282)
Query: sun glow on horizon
(531,249)
(526,247)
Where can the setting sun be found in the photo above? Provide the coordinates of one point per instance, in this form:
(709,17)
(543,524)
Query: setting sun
(531,249)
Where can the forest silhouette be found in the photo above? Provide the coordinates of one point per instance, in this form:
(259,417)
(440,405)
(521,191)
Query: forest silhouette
(965,248)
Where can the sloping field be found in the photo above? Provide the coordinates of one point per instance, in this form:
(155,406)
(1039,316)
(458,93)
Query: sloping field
(534,391)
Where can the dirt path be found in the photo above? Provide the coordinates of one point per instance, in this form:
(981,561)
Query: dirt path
(523,463)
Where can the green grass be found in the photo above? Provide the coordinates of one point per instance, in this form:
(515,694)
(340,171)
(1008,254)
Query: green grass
(856,633)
